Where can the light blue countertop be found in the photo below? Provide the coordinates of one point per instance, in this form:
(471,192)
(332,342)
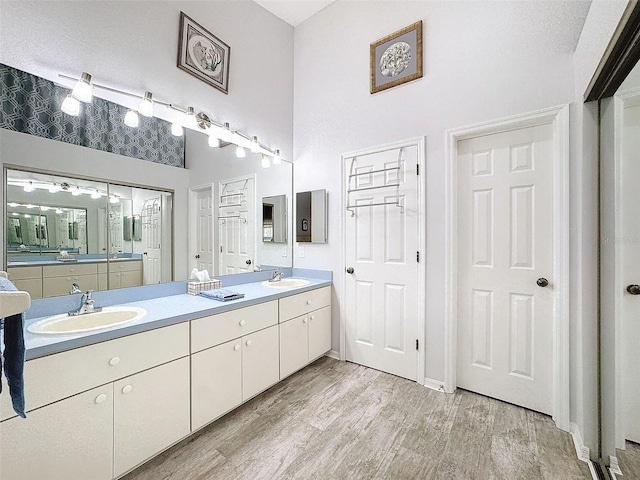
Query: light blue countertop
(37,263)
(163,311)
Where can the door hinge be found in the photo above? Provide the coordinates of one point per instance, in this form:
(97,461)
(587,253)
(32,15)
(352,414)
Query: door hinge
(417,344)
(418,257)
(417,169)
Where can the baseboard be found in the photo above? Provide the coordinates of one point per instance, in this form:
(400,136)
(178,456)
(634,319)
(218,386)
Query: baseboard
(582,451)
(333,354)
(436,385)
(614,466)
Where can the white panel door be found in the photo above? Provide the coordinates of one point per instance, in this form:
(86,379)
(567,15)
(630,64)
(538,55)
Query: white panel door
(505,244)
(236,224)
(381,248)
(629,268)
(204,231)
(152,241)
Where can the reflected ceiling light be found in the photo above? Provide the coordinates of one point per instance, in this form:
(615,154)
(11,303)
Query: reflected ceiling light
(70,106)
(76,191)
(13,204)
(83,89)
(114,199)
(240,152)
(30,206)
(44,208)
(190,118)
(58,210)
(176,129)
(131,119)
(214,141)
(26,215)
(265,162)
(255,146)
(146,105)
(29,187)
(95,195)
(277,159)
(54,188)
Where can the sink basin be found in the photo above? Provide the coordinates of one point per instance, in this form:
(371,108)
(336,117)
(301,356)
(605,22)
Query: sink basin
(287,282)
(64,324)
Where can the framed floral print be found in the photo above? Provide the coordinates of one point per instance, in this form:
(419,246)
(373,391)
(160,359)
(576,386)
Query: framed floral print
(203,55)
(396,58)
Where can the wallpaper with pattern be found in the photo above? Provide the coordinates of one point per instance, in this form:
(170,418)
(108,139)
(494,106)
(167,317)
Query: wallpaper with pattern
(31,105)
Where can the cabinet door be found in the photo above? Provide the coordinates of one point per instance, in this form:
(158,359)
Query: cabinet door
(260,361)
(294,350)
(31,285)
(130,278)
(55,286)
(319,332)
(216,382)
(150,413)
(70,439)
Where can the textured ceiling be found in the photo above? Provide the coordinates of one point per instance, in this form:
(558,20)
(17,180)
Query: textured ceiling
(294,12)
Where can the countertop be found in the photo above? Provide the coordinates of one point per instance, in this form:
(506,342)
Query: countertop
(161,312)
(38,263)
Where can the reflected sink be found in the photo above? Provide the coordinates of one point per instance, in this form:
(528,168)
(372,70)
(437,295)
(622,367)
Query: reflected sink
(287,282)
(64,324)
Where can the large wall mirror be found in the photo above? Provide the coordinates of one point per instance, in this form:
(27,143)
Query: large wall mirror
(62,230)
(242,212)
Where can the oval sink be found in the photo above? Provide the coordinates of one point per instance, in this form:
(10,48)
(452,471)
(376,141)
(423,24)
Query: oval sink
(287,282)
(64,324)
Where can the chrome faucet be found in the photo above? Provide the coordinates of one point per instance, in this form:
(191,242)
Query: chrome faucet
(86,305)
(75,288)
(277,276)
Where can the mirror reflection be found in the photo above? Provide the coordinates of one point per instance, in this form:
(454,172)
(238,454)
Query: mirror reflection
(311,216)
(274,219)
(63,231)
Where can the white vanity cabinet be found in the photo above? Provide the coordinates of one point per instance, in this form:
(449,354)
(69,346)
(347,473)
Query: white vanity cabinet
(303,338)
(234,357)
(72,438)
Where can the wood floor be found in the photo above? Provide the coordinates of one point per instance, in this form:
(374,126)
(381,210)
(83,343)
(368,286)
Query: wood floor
(629,461)
(337,420)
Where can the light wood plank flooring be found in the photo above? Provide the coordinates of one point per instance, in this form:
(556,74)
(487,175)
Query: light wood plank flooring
(629,460)
(337,420)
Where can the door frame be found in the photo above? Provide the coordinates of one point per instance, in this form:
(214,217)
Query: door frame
(558,118)
(193,221)
(420,143)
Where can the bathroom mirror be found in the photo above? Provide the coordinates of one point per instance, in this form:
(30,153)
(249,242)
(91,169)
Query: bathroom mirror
(116,235)
(311,216)
(274,219)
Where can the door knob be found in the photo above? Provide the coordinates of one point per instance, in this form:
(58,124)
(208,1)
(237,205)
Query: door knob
(248,262)
(542,282)
(634,289)
(197,256)
(349,269)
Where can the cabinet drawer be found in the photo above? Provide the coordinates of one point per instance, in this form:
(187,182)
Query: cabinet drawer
(52,287)
(302,303)
(48,379)
(20,273)
(125,266)
(69,270)
(216,329)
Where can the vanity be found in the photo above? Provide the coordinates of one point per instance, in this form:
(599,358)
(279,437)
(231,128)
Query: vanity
(102,403)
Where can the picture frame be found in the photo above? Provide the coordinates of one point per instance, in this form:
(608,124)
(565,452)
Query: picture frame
(396,58)
(203,55)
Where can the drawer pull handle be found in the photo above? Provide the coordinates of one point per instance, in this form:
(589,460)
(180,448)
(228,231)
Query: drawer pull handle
(236,347)
(114,361)
(127,389)
(242,322)
(304,320)
(311,317)
(101,398)
(249,342)
(308,302)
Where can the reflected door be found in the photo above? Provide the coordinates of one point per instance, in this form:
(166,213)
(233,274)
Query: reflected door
(505,319)
(236,226)
(152,240)
(204,226)
(381,247)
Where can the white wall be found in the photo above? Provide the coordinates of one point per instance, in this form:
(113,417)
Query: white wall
(482,61)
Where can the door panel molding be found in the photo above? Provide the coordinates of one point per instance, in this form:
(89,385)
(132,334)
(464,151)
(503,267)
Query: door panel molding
(558,117)
(420,143)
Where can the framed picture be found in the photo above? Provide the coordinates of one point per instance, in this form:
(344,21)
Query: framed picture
(203,55)
(396,58)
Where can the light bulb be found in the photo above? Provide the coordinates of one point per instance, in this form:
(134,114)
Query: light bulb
(26,215)
(114,199)
(58,210)
(190,118)
(54,188)
(95,195)
(13,204)
(83,89)
(29,187)
(70,106)
(277,159)
(255,146)
(76,191)
(131,119)
(44,208)
(176,129)
(30,206)
(214,141)
(146,105)
(240,153)
(265,162)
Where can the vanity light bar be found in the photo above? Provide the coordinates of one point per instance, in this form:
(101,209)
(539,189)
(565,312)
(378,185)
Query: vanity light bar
(56,187)
(71,106)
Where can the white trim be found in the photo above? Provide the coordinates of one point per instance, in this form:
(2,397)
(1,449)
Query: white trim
(193,222)
(558,117)
(614,466)
(333,354)
(420,143)
(436,385)
(582,451)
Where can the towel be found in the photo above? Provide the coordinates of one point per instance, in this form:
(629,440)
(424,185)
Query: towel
(221,294)
(13,354)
